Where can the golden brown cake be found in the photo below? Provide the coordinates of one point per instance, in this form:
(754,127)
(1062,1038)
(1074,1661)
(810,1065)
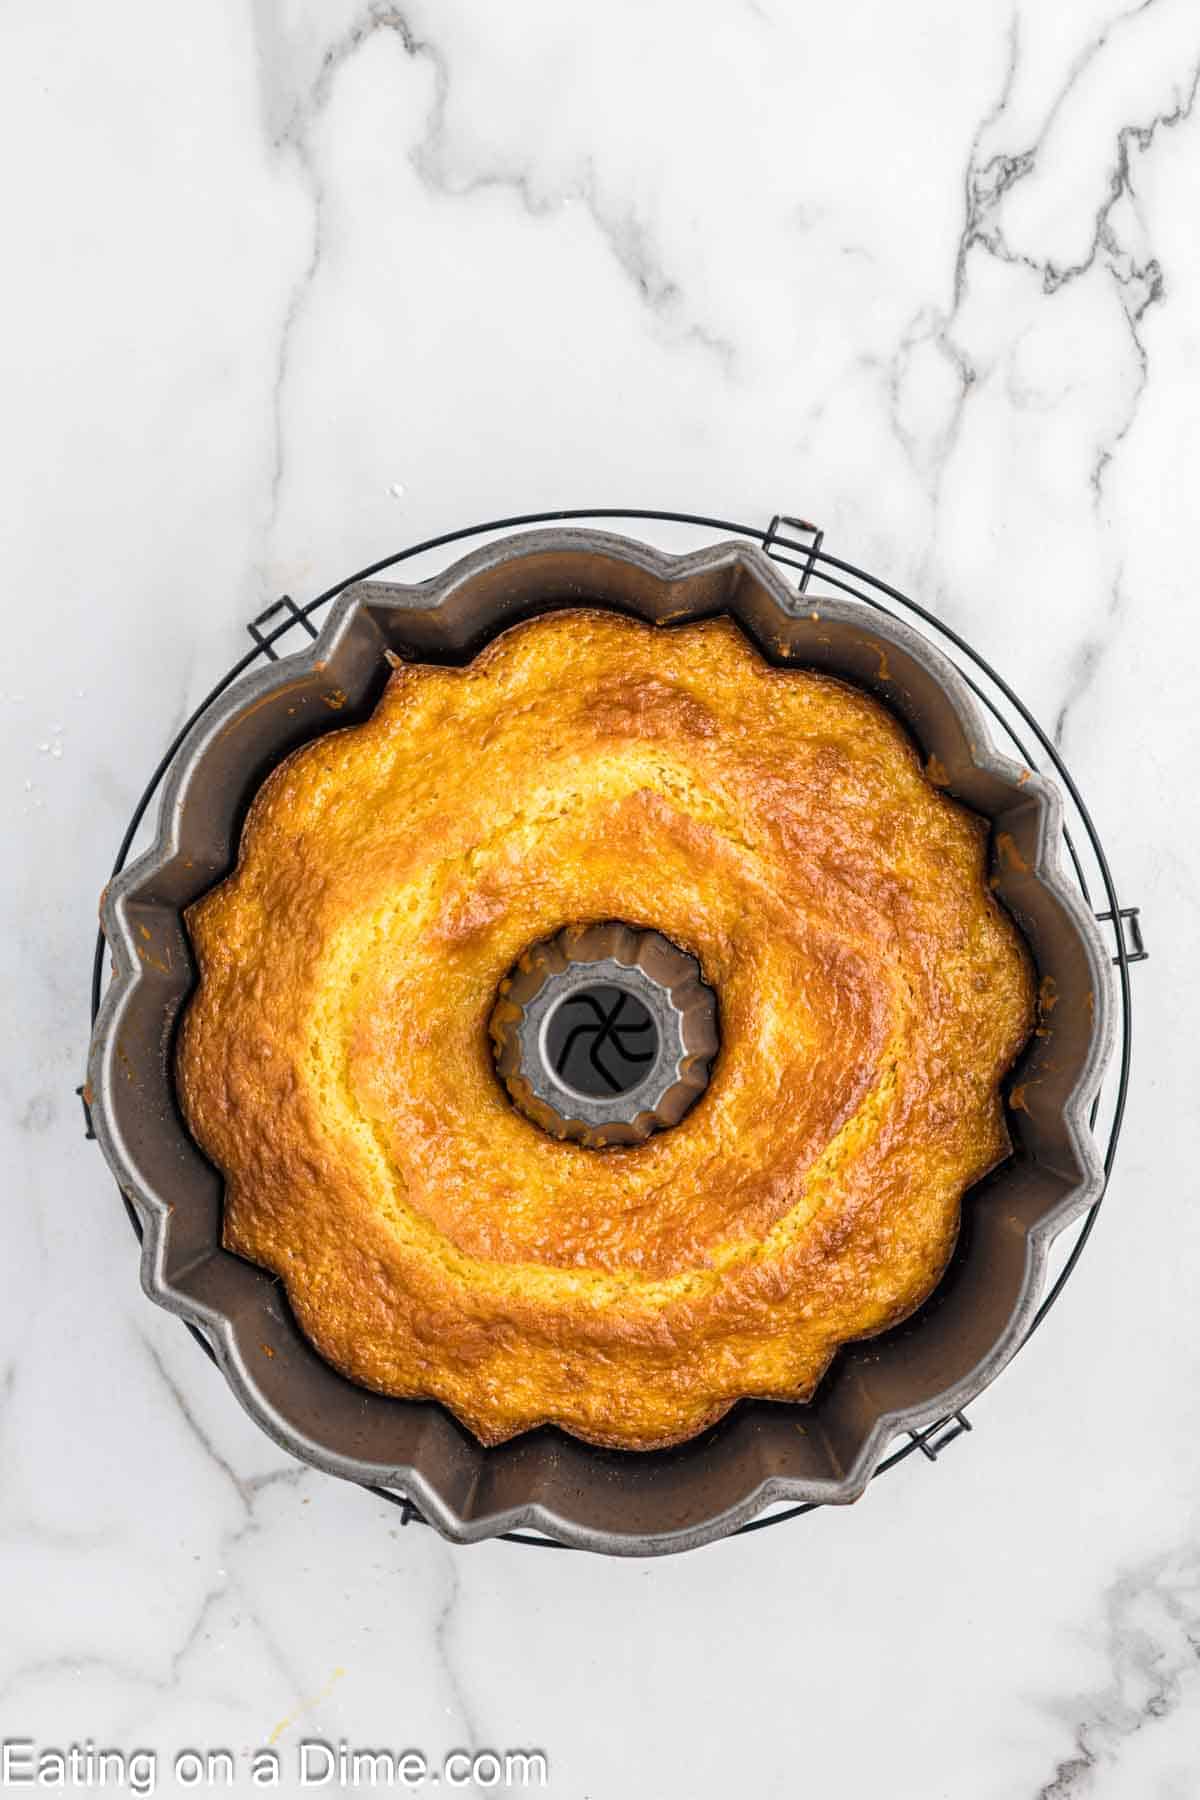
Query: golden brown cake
(777,825)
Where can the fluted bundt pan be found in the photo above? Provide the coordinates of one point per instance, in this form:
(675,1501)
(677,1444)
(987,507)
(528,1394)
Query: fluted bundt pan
(761,1453)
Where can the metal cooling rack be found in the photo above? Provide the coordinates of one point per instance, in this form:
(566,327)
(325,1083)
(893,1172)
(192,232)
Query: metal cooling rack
(797,545)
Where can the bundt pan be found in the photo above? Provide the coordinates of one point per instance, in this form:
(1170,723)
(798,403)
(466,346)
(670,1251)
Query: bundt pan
(760,1453)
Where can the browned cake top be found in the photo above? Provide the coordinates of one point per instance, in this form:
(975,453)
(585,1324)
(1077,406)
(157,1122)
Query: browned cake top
(335,1060)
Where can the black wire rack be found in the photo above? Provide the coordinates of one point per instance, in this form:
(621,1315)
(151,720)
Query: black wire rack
(798,545)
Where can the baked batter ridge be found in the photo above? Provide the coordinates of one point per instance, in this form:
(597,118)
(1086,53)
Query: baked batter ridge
(776,825)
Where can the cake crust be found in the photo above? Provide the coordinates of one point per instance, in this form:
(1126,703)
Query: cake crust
(777,824)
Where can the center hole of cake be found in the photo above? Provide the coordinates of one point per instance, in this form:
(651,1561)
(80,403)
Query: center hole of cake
(600,1040)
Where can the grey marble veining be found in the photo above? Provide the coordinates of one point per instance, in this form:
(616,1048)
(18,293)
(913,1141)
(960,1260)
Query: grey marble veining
(291,284)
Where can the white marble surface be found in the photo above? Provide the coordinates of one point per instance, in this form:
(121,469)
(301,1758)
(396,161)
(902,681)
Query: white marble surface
(288,284)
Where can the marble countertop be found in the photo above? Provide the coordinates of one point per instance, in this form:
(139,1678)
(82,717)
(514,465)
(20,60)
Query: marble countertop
(289,285)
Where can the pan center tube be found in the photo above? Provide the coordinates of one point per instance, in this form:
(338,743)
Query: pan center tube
(600,1040)
(604,1033)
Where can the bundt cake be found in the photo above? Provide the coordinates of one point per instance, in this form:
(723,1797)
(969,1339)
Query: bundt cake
(776,825)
